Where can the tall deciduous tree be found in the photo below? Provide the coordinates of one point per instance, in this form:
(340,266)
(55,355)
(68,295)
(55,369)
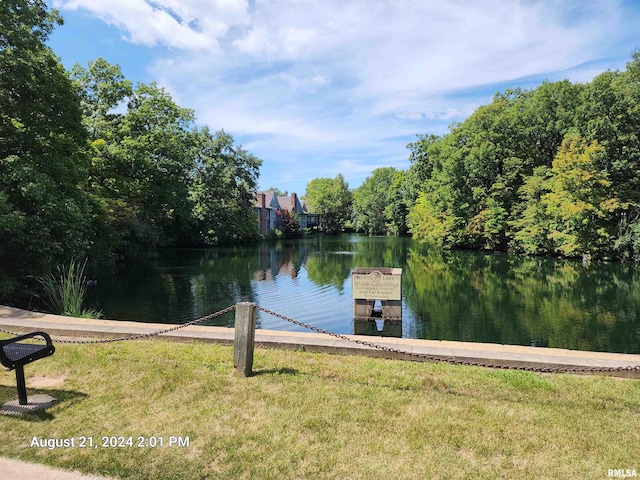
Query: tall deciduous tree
(609,113)
(531,226)
(371,199)
(223,191)
(165,182)
(144,150)
(580,205)
(569,208)
(102,88)
(157,152)
(398,200)
(331,198)
(430,223)
(44,212)
(500,179)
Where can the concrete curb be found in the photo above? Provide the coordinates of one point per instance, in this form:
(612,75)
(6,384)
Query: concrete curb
(507,355)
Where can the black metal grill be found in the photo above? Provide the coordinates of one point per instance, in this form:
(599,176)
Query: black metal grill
(19,352)
(15,355)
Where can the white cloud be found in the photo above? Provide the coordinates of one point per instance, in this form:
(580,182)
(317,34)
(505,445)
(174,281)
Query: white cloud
(195,24)
(308,79)
(282,42)
(448,114)
(410,116)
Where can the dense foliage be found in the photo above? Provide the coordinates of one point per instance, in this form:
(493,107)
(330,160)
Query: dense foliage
(165,182)
(552,170)
(331,198)
(92,165)
(45,211)
(380,203)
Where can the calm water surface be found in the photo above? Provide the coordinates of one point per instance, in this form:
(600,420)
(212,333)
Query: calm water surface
(463,296)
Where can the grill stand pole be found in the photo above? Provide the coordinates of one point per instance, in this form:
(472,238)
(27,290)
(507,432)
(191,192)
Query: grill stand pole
(22,389)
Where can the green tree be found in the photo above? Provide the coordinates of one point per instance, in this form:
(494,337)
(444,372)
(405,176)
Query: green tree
(609,114)
(370,202)
(472,176)
(331,198)
(579,203)
(157,151)
(531,227)
(165,182)
(45,214)
(223,190)
(627,243)
(428,222)
(569,208)
(397,208)
(144,148)
(424,157)
(102,88)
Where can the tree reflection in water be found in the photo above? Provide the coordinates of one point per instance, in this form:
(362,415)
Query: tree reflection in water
(464,296)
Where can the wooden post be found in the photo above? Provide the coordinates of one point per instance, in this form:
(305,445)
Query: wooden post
(245,325)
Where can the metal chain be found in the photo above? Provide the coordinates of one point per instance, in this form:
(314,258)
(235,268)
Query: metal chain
(422,356)
(143,335)
(447,359)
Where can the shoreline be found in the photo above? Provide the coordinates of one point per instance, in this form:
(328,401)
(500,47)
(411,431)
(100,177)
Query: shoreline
(514,356)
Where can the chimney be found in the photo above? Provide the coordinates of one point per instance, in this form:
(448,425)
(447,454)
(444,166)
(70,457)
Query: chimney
(263,213)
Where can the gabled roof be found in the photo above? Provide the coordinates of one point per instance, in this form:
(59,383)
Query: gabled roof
(285,203)
(290,203)
(271,200)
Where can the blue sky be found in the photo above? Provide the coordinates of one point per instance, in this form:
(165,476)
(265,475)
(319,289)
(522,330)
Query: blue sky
(317,88)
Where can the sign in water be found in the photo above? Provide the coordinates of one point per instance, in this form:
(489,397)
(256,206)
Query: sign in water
(377,283)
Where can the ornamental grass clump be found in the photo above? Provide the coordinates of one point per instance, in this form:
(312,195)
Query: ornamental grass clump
(64,291)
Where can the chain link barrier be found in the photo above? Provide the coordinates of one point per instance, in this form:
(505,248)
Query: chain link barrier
(452,360)
(364,343)
(142,335)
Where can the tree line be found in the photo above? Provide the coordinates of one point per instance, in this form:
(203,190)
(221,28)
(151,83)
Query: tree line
(554,170)
(93,165)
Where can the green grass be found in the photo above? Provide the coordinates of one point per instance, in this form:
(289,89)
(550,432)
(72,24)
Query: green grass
(307,415)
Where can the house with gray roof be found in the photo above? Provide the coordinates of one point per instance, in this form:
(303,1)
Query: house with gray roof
(268,205)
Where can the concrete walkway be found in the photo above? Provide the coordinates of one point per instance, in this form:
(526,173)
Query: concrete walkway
(17,320)
(17,470)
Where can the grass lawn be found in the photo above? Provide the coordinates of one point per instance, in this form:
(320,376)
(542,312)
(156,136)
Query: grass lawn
(309,415)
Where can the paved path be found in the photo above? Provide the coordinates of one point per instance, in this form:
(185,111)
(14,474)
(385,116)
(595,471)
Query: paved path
(17,470)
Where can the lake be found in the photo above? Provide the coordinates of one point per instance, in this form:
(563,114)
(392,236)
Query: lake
(463,296)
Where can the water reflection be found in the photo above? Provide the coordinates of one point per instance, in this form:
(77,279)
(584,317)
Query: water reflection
(446,295)
(516,300)
(382,328)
